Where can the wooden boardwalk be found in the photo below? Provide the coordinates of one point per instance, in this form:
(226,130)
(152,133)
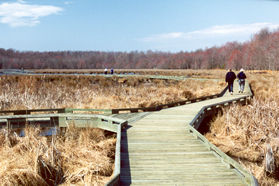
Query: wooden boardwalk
(159,149)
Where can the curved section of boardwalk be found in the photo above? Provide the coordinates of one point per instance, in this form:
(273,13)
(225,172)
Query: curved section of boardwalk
(159,150)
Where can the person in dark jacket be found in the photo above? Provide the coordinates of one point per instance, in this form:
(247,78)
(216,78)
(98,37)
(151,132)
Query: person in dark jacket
(230,77)
(241,80)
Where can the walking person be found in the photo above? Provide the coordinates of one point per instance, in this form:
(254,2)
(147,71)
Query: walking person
(241,80)
(230,77)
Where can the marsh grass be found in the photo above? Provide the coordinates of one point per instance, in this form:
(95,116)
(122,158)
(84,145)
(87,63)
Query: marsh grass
(34,92)
(81,156)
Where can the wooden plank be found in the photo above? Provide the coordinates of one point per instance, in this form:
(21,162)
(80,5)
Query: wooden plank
(143,141)
(182,169)
(157,123)
(169,116)
(169,181)
(193,178)
(193,168)
(188,166)
(180,175)
(197,149)
(177,157)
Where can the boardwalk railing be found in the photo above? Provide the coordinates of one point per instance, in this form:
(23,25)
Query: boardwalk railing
(194,124)
(207,109)
(61,120)
(112,111)
(56,110)
(249,178)
(81,121)
(169,105)
(117,162)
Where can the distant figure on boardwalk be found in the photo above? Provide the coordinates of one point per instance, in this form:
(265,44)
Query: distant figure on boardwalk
(241,80)
(111,71)
(230,77)
(106,71)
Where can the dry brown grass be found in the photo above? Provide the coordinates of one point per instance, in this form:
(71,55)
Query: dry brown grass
(34,92)
(245,132)
(81,156)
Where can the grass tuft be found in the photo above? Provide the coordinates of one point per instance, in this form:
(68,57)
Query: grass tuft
(81,156)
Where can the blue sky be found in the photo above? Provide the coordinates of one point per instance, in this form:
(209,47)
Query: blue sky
(129,25)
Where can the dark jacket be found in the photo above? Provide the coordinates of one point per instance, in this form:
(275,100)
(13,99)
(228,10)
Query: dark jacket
(241,75)
(230,77)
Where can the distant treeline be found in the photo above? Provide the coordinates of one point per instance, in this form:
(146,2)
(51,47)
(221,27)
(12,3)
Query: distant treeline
(261,52)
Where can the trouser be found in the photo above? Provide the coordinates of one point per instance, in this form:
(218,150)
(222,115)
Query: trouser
(230,86)
(241,84)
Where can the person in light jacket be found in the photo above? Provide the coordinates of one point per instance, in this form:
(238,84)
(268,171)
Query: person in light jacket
(241,80)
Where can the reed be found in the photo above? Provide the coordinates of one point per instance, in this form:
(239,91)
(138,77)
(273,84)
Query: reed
(34,92)
(80,156)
